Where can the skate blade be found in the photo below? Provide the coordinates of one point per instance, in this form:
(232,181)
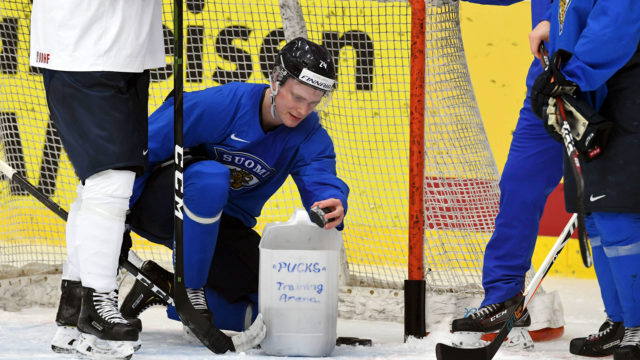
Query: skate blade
(466,339)
(90,347)
(519,338)
(137,345)
(65,340)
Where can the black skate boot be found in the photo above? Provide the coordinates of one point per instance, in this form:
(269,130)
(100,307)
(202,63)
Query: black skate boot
(140,297)
(105,333)
(629,348)
(468,331)
(199,302)
(604,343)
(491,318)
(66,337)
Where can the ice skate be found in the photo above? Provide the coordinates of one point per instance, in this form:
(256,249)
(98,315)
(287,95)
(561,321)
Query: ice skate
(105,333)
(199,302)
(140,297)
(603,343)
(629,348)
(66,336)
(467,331)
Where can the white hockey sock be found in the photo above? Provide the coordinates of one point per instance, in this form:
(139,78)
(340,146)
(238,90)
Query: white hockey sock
(100,226)
(71,267)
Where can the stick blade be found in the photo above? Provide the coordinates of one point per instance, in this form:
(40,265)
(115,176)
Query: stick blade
(446,352)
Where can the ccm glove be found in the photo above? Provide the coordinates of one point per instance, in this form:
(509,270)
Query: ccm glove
(547,86)
(589,129)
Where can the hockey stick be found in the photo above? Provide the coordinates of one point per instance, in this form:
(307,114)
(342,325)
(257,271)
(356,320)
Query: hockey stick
(574,160)
(24,184)
(446,352)
(209,335)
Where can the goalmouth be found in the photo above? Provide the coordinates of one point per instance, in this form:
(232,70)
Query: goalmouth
(404,120)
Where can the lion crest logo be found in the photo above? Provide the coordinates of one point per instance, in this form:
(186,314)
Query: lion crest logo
(246,170)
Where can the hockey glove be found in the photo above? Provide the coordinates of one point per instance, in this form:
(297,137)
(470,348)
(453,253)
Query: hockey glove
(590,130)
(548,85)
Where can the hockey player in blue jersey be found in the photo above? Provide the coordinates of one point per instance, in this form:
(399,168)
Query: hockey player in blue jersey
(596,59)
(242,141)
(533,169)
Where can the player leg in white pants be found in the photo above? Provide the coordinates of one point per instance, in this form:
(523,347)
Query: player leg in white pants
(66,336)
(95,230)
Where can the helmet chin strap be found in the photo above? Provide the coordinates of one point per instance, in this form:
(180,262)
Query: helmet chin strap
(274,113)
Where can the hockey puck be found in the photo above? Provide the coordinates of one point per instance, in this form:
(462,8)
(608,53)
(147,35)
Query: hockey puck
(317,216)
(353,341)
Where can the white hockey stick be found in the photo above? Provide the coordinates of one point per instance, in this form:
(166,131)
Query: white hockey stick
(447,352)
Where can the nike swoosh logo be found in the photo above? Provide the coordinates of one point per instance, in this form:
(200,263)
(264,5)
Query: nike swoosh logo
(144,152)
(596,198)
(234,137)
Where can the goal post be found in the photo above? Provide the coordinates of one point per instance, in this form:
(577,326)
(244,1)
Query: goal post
(406,128)
(415,285)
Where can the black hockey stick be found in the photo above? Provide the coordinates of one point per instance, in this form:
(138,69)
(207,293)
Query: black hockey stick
(209,335)
(24,184)
(574,160)
(446,352)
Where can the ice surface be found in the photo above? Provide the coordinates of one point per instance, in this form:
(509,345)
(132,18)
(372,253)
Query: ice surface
(26,334)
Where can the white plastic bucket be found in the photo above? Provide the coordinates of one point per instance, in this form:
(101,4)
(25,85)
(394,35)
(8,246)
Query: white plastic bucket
(298,292)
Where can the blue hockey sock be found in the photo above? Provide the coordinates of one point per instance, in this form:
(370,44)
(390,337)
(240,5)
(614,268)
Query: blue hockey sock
(603,272)
(205,194)
(621,242)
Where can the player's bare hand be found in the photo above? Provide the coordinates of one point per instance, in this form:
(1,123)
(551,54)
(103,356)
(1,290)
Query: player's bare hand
(336,214)
(539,34)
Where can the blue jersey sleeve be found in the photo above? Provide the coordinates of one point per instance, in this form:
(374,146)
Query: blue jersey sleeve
(539,11)
(315,174)
(608,40)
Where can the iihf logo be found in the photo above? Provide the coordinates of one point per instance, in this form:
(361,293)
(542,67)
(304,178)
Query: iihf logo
(42,58)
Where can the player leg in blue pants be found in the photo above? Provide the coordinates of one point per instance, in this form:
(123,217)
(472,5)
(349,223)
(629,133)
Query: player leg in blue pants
(620,237)
(610,334)
(206,190)
(533,169)
(206,194)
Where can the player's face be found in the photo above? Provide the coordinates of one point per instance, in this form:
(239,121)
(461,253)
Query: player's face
(295,101)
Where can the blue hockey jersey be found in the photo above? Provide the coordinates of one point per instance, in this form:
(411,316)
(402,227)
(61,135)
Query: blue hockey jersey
(584,28)
(603,36)
(225,121)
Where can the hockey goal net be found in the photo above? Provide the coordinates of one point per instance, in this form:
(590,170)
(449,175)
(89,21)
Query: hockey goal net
(369,120)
